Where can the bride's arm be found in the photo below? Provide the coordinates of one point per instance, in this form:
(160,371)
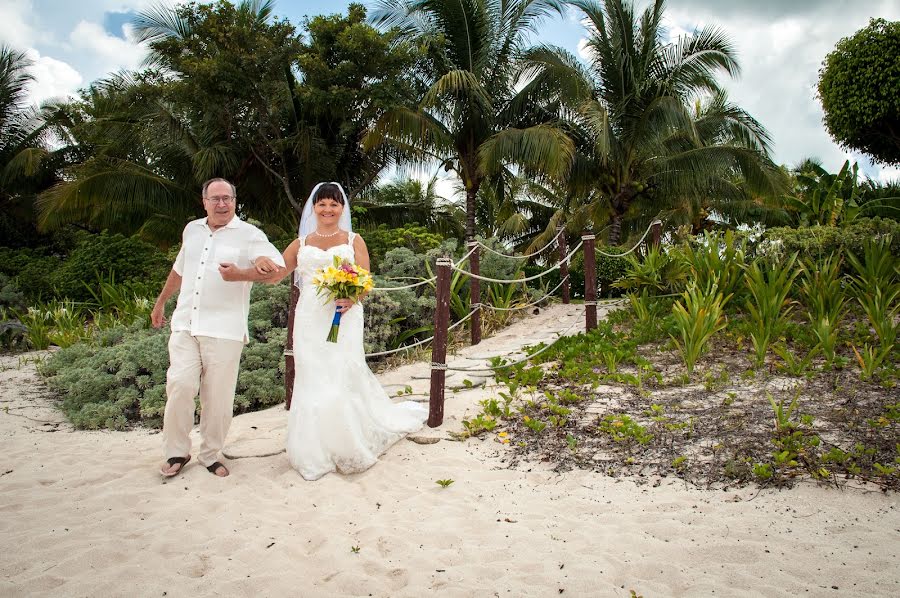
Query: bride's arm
(361,253)
(290,262)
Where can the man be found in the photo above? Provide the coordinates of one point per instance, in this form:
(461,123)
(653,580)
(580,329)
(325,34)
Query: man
(213,274)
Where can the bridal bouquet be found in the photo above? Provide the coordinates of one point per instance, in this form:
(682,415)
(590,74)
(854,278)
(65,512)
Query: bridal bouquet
(342,280)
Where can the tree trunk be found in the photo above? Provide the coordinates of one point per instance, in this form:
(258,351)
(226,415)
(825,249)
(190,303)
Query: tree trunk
(470,212)
(474,265)
(615,231)
(620,204)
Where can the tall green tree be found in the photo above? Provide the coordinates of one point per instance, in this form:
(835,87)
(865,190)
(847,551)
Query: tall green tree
(352,74)
(229,91)
(27,162)
(643,146)
(128,162)
(859,86)
(473,99)
(408,201)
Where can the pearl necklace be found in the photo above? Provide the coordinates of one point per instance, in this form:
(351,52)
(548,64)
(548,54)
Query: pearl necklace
(327,236)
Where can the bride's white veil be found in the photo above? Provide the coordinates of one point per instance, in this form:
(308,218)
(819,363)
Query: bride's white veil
(308,221)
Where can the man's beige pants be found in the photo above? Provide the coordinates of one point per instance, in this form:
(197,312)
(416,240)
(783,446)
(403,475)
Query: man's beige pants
(208,365)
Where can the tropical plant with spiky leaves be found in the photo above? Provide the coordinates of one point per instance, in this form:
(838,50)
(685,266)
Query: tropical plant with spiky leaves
(698,316)
(769,306)
(876,286)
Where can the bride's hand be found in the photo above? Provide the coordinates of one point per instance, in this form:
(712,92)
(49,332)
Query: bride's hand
(343,304)
(265,265)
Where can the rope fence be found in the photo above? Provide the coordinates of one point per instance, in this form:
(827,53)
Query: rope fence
(655,223)
(425,281)
(445,266)
(533,303)
(423,341)
(517,362)
(518,280)
(526,256)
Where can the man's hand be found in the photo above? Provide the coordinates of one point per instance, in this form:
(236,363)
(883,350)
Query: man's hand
(265,266)
(230,272)
(157,316)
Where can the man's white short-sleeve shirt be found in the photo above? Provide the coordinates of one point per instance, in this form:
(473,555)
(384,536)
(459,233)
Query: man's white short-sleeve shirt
(207,304)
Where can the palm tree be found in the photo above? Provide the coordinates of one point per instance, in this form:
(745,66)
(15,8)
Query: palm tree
(409,202)
(229,70)
(641,146)
(472,100)
(130,163)
(31,159)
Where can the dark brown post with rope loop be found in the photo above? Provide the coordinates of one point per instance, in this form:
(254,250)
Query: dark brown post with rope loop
(475,291)
(563,263)
(439,344)
(656,233)
(590,282)
(289,346)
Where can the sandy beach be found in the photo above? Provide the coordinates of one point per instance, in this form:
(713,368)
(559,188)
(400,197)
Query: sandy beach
(87,514)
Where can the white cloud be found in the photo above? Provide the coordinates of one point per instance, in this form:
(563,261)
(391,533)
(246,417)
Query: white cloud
(888,174)
(14,27)
(52,78)
(68,40)
(780,53)
(780,46)
(105,53)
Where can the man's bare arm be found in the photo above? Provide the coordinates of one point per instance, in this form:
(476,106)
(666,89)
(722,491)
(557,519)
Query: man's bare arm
(232,273)
(172,286)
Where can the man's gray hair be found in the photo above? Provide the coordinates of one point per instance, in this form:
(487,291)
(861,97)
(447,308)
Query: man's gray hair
(219,180)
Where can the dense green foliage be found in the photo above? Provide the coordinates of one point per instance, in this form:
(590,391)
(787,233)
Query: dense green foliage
(119,378)
(41,274)
(859,86)
(383,239)
(821,241)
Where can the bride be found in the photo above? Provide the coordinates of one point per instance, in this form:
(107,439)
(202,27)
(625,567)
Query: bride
(340,417)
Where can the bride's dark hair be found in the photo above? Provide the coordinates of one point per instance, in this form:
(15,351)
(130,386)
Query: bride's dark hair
(329,191)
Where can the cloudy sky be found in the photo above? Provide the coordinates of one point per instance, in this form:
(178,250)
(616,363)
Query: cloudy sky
(781,45)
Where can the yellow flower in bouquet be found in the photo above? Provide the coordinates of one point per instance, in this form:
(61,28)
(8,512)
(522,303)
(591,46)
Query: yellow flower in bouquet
(342,280)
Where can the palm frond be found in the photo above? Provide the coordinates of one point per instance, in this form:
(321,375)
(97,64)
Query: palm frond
(543,148)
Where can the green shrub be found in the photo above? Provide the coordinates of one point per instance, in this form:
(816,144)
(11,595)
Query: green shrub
(819,242)
(126,259)
(383,239)
(715,258)
(119,379)
(10,295)
(661,269)
(32,271)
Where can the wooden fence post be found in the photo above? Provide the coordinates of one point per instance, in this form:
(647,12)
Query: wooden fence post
(439,345)
(656,233)
(289,371)
(475,291)
(590,282)
(564,264)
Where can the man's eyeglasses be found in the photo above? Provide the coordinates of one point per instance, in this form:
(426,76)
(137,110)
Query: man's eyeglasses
(225,199)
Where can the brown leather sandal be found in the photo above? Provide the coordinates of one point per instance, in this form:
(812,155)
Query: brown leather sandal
(175,461)
(215,467)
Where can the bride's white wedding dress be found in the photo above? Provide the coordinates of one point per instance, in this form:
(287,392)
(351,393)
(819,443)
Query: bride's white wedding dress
(341,418)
